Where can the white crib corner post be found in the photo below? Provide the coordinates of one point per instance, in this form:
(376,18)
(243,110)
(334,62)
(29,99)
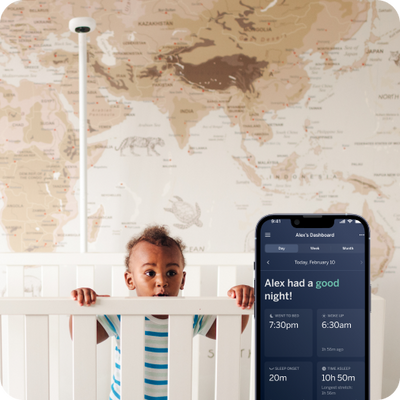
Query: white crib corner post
(227,369)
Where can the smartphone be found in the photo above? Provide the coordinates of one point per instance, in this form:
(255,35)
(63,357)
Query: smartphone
(313,307)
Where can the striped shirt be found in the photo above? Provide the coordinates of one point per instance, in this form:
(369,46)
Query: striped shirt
(156,352)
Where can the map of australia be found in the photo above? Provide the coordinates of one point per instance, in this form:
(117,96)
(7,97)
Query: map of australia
(203,116)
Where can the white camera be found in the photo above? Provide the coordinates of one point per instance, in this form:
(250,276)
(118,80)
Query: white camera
(82,25)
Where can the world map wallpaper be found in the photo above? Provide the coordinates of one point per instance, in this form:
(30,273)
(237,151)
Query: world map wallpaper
(203,116)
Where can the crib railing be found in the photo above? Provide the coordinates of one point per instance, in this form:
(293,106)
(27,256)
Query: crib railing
(54,275)
(132,311)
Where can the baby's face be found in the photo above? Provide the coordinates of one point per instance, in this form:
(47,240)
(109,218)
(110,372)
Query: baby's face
(155,270)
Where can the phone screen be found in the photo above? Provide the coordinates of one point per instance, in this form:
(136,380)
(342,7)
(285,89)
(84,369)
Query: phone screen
(312,307)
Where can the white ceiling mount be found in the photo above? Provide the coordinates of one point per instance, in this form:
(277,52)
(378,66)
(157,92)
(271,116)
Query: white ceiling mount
(82,25)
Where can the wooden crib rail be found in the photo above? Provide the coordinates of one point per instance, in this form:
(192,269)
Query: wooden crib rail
(132,310)
(122,306)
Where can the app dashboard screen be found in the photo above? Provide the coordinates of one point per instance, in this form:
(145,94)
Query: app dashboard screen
(312,286)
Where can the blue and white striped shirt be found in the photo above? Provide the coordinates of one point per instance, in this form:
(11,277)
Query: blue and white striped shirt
(156,352)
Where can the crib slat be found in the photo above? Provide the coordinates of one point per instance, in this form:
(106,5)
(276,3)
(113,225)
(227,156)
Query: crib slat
(85,276)
(105,364)
(193,288)
(119,287)
(193,284)
(227,278)
(37,357)
(84,357)
(227,369)
(50,282)
(15,281)
(132,357)
(14,372)
(180,333)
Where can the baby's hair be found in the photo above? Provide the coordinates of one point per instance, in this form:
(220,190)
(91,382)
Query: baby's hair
(157,235)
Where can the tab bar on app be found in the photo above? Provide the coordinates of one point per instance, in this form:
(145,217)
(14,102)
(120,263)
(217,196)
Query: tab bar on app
(315,248)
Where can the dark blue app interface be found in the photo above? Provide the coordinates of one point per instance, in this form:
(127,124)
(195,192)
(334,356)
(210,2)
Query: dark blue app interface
(312,311)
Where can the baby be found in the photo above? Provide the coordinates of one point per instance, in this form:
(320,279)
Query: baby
(155,267)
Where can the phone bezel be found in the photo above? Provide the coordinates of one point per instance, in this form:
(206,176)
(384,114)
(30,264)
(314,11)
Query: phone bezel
(326,219)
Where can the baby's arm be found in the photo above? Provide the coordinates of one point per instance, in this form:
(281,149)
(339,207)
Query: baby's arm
(244,298)
(86,296)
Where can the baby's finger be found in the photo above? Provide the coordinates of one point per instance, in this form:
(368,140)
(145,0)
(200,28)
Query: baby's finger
(251,302)
(239,297)
(74,294)
(246,298)
(88,297)
(80,296)
(252,298)
(231,293)
(93,296)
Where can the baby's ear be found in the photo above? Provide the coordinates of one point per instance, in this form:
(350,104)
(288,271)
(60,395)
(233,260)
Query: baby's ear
(183,281)
(130,283)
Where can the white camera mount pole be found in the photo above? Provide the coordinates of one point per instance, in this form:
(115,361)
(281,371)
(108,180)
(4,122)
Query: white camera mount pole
(82,26)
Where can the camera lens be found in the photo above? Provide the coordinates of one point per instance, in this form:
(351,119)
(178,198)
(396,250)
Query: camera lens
(296,222)
(82,29)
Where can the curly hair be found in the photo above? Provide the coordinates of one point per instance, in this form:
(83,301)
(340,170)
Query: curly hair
(157,235)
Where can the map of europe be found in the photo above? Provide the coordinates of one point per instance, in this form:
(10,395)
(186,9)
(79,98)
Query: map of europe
(203,116)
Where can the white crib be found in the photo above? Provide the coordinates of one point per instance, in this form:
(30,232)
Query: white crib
(200,369)
(39,360)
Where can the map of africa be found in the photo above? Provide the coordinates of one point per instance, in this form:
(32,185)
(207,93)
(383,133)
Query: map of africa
(203,116)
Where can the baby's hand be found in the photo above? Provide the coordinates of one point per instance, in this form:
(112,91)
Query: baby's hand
(244,295)
(85,296)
